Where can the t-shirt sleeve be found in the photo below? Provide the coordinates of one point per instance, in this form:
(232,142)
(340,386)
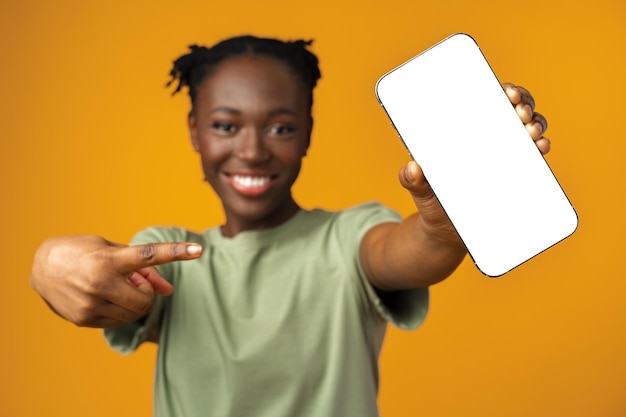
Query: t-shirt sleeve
(405,309)
(127,338)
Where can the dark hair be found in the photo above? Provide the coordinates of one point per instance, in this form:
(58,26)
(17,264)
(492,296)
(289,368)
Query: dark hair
(191,69)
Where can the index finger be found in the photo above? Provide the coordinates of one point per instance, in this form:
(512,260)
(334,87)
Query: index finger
(132,258)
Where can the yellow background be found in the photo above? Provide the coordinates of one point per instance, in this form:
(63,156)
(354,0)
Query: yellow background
(91,142)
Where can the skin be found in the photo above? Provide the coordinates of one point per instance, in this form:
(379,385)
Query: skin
(251,127)
(92,282)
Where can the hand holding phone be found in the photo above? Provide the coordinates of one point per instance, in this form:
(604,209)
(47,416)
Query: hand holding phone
(483,166)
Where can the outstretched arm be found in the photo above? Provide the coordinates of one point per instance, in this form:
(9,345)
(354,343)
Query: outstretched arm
(425,248)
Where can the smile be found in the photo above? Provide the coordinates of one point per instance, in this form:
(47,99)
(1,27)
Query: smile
(250,182)
(250,185)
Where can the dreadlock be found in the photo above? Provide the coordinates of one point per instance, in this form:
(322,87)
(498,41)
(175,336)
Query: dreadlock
(191,69)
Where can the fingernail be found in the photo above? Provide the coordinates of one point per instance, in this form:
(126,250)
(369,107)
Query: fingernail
(409,172)
(136,279)
(194,249)
(529,110)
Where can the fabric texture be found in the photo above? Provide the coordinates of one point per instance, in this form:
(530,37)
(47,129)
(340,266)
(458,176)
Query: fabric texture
(279,322)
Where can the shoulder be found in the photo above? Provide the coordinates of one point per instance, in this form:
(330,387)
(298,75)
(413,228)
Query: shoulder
(359,219)
(373,210)
(340,231)
(351,221)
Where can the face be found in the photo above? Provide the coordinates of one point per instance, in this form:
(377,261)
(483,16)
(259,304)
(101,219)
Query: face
(251,126)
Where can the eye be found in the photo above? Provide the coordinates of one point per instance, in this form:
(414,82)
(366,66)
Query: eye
(281,129)
(224,128)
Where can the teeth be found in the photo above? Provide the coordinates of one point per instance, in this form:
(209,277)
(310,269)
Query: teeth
(246,181)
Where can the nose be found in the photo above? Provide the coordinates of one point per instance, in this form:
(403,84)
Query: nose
(250,146)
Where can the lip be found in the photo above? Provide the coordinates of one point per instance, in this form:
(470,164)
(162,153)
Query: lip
(250,184)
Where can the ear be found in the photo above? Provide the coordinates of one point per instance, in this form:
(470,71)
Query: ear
(193,130)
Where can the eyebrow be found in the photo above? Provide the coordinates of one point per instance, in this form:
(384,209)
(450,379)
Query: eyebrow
(224,109)
(274,112)
(282,110)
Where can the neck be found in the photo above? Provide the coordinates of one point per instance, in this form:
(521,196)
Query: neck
(236,224)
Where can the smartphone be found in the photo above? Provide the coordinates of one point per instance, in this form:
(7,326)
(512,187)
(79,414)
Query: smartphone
(458,124)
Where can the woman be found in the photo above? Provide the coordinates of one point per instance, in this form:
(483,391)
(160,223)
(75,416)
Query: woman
(280,311)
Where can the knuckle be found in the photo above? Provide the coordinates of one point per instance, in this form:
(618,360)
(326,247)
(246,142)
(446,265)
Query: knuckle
(80,322)
(131,316)
(174,249)
(95,287)
(148,252)
(144,306)
(85,315)
(101,259)
(541,119)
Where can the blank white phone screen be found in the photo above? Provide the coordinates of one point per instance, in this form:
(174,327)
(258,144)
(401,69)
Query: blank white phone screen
(455,119)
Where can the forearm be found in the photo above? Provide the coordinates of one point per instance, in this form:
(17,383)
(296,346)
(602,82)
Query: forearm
(411,255)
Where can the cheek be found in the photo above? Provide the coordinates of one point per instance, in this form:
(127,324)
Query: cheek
(290,158)
(290,153)
(214,151)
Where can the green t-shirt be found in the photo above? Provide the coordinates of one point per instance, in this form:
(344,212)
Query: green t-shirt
(272,323)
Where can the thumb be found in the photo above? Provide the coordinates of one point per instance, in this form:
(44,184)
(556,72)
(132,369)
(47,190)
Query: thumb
(133,258)
(412,178)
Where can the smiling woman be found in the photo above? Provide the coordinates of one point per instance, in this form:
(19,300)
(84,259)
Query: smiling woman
(251,125)
(280,311)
